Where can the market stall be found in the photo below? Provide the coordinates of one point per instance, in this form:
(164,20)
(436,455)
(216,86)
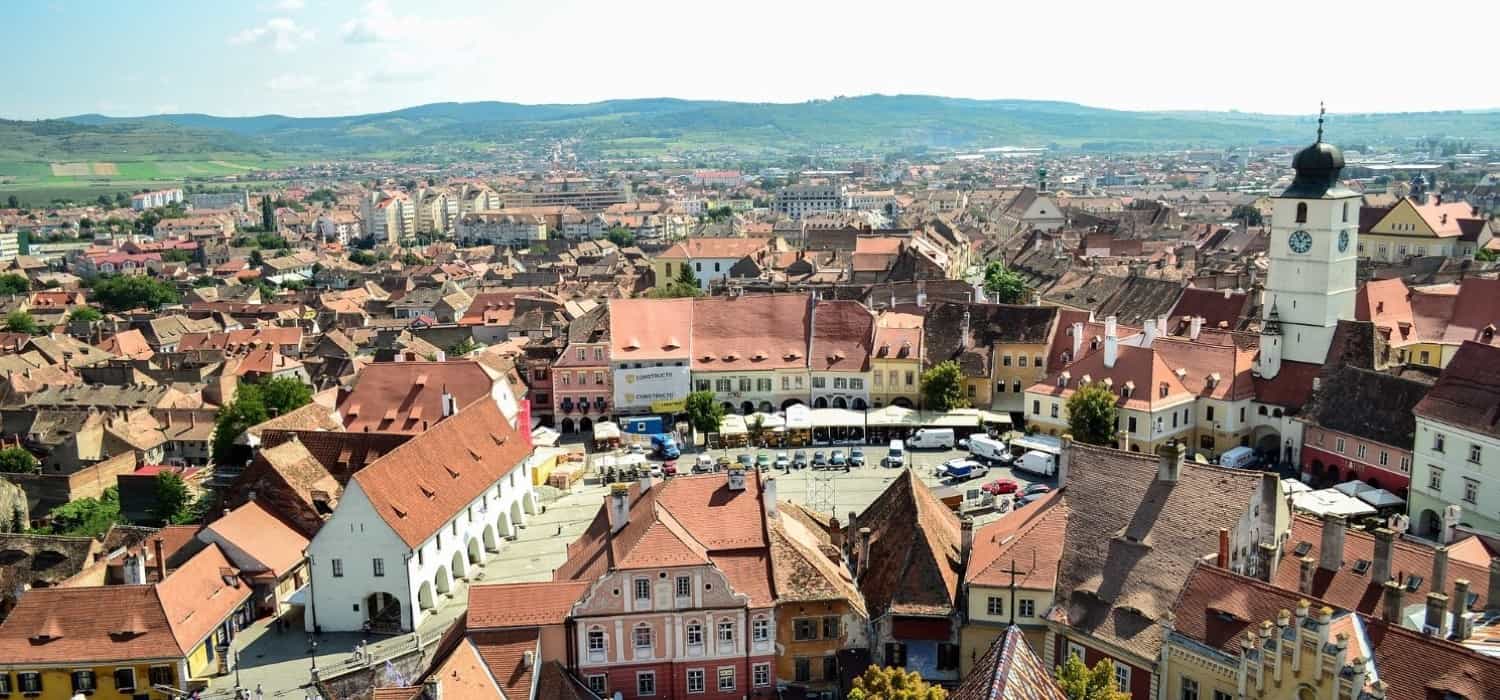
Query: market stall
(606,436)
(890,423)
(798,425)
(732,432)
(837,426)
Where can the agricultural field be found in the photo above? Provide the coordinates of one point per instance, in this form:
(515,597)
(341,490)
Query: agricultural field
(37,183)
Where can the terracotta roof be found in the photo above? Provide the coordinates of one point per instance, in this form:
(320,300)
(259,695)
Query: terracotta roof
(1476,316)
(1411,562)
(522,604)
(843,332)
(803,570)
(650,329)
(420,485)
(466,674)
(406,397)
(1030,538)
(749,573)
(504,653)
(1009,670)
(913,563)
(1291,387)
(1131,539)
(263,537)
(129,344)
(694,248)
(555,683)
(1467,395)
(752,332)
(1144,369)
(242,338)
(1214,305)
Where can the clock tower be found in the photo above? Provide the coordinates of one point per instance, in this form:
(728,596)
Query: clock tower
(1311,282)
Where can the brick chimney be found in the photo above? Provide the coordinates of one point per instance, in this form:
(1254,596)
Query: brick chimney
(1380,570)
(158,546)
(864,551)
(619,506)
(1169,462)
(1331,551)
(1437,612)
(1391,603)
(1306,568)
(1223,559)
(966,541)
(768,496)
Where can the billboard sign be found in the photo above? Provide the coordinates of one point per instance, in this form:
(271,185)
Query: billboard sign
(640,388)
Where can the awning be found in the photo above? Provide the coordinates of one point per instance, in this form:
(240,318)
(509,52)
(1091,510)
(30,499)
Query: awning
(542,435)
(1353,488)
(892,416)
(1381,498)
(605,430)
(798,417)
(732,424)
(992,418)
(956,418)
(1290,486)
(834,417)
(1330,502)
(299,596)
(768,421)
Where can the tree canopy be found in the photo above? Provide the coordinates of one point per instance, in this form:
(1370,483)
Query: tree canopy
(887,683)
(1092,414)
(12,283)
(254,404)
(125,292)
(943,387)
(17,460)
(1003,285)
(22,322)
(1248,214)
(1079,682)
(620,236)
(704,411)
(87,314)
(173,501)
(90,517)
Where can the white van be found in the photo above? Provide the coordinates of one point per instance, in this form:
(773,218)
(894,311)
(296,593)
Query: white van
(1237,458)
(896,456)
(932,439)
(988,449)
(1036,462)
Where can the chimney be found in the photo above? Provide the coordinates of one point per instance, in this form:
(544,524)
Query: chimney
(965,542)
(736,478)
(1391,607)
(1077,341)
(1462,625)
(768,496)
(1169,462)
(835,533)
(1492,603)
(1331,551)
(1270,556)
(1223,560)
(1150,329)
(864,551)
(1064,460)
(1437,613)
(528,658)
(1305,570)
(159,547)
(647,481)
(1195,326)
(619,506)
(1439,580)
(1111,342)
(1380,571)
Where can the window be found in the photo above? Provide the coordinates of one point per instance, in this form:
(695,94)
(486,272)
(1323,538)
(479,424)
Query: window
(856,383)
(786,383)
(1037,362)
(1122,677)
(1242,414)
(338,568)
(1471,491)
(684,587)
(1338,445)
(802,669)
(763,384)
(1424,357)
(994,606)
(1174,419)
(947,656)
(830,668)
(1438,442)
(5,682)
(804,629)
(642,590)
(379,566)
(726,633)
(596,641)
(695,680)
(598,354)
(1385,458)
(723,386)
(1026,607)
(31,681)
(840,383)
(1075,651)
(726,678)
(583,354)
(1054,409)
(1405,465)
(830,627)
(874,376)
(1474,453)
(642,637)
(1208,413)
(1015,386)
(1021,360)
(909,377)
(1301,212)
(1005,361)
(1360,450)
(1036,408)
(83,681)
(1434,478)
(1190,686)
(704,385)
(760,674)
(645,682)
(819,382)
(694,634)
(598,684)
(567,378)
(159,675)
(1221,695)
(760,629)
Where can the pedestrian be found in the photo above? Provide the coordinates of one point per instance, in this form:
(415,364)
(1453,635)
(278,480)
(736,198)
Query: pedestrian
(259,694)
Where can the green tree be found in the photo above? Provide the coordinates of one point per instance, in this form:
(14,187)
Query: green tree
(1248,214)
(675,290)
(16,460)
(125,292)
(1486,255)
(90,517)
(618,235)
(889,683)
(172,498)
(86,314)
(463,347)
(686,276)
(1079,682)
(22,322)
(12,283)
(254,404)
(943,387)
(362,257)
(267,213)
(282,395)
(257,258)
(202,281)
(1003,285)
(1092,414)
(12,202)
(177,255)
(704,412)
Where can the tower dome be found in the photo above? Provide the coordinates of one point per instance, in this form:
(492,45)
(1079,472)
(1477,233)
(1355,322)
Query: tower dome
(1317,166)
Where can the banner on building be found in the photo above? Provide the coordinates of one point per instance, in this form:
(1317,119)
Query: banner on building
(648,387)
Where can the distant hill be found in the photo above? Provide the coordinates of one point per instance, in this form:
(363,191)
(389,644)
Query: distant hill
(653,126)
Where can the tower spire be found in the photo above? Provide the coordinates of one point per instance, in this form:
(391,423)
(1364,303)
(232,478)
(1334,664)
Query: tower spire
(1321,112)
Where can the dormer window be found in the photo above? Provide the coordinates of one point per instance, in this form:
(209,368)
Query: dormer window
(1062,379)
(1162,390)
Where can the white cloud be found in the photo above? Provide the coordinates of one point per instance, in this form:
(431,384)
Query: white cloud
(289,5)
(376,24)
(280,33)
(292,82)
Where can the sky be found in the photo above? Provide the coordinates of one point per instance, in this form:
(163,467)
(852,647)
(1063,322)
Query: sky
(321,58)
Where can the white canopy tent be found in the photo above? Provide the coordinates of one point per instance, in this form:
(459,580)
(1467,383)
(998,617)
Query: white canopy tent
(733,424)
(798,417)
(1327,502)
(892,416)
(835,417)
(1381,498)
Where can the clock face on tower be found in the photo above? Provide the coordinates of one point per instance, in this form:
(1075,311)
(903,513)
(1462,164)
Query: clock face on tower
(1343,241)
(1300,241)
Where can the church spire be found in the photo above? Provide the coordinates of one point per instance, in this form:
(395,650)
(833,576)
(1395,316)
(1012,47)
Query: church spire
(1273,321)
(1321,112)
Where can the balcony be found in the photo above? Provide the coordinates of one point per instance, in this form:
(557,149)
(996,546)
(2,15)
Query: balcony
(566,405)
(600,405)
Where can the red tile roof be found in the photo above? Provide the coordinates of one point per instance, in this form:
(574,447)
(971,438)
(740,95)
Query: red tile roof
(1030,538)
(522,604)
(754,332)
(407,397)
(504,653)
(695,248)
(914,540)
(1009,670)
(1142,368)
(1467,395)
(843,335)
(466,675)
(418,486)
(262,536)
(650,329)
(1291,387)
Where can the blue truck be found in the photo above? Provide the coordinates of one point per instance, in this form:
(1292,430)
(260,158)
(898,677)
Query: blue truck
(665,446)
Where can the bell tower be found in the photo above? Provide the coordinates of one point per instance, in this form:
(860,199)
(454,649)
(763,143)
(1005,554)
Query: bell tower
(1311,282)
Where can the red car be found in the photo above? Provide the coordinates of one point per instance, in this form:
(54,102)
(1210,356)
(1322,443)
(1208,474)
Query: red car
(1000,487)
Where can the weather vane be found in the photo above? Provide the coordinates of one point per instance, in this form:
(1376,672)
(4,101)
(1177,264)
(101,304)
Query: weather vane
(1321,112)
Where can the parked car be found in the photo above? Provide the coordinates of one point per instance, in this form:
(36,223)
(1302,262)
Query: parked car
(965,470)
(724,462)
(783,461)
(942,469)
(1029,498)
(838,459)
(1037,462)
(1000,487)
(896,456)
(931,439)
(1037,489)
(703,464)
(820,460)
(669,468)
(987,449)
(856,457)
(763,460)
(799,459)
(746,461)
